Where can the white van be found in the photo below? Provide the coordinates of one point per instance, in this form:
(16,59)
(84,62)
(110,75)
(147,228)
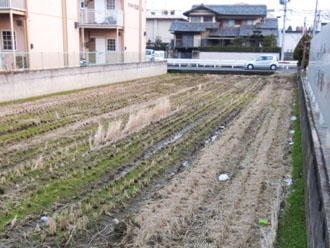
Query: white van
(150,55)
(159,55)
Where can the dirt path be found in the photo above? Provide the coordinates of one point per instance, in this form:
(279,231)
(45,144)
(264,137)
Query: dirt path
(196,210)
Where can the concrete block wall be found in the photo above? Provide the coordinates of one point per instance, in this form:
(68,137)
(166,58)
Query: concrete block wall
(316,171)
(20,85)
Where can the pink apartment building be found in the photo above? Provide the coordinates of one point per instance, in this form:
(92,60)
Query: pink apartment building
(41,34)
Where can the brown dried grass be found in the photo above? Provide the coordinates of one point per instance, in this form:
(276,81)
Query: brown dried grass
(52,226)
(136,121)
(114,131)
(144,117)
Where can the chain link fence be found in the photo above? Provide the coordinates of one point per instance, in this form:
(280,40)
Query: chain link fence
(42,61)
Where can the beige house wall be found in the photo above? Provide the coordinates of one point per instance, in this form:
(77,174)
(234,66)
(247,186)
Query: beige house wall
(19,31)
(133,32)
(102,33)
(47,35)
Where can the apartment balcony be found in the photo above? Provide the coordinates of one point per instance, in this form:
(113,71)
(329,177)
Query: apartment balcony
(101,18)
(17,6)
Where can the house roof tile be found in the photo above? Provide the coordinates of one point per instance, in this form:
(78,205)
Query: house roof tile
(233,9)
(180,26)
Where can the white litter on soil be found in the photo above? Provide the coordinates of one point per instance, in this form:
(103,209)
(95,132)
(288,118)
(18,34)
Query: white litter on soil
(223,177)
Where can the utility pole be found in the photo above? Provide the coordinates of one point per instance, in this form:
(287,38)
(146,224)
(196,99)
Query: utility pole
(285,2)
(315,16)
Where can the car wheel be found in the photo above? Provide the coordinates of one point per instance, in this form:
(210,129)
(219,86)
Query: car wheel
(273,67)
(250,67)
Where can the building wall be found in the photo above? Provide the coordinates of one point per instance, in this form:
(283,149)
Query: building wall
(26,84)
(157,27)
(102,33)
(133,32)
(45,15)
(20,36)
(73,32)
(47,34)
(291,40)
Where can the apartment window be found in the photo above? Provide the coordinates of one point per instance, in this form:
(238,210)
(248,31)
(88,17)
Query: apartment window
(6,40)
(238,22)
(111,4)
(208,18)
(231,23)
(196,19)
(111,45)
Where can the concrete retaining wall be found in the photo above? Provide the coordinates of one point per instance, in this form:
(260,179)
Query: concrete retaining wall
(231,55)
(319,72)
(316,170)
(20,85)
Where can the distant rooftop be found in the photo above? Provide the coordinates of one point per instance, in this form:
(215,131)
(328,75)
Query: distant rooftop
(179,26)
(165,14)
(270,26)
(232,9)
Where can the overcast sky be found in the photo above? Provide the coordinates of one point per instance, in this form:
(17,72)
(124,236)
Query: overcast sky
(298,9)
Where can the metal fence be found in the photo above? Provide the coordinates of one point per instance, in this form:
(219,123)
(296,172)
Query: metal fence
(41,61)
(101,17)
(319,73)
(14,4)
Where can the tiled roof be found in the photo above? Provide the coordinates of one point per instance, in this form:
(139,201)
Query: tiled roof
(270,26)
(233,9)
(179,26)
(246,30)
(228,31)
(270,23)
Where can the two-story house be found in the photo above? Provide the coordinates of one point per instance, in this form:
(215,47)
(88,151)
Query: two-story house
(218,25)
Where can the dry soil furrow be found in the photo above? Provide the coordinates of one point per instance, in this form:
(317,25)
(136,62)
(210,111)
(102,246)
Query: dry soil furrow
(162,220)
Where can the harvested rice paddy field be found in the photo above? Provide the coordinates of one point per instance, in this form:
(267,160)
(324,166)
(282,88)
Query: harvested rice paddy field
(137,164)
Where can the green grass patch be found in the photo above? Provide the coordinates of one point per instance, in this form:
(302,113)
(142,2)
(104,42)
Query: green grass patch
(292,230)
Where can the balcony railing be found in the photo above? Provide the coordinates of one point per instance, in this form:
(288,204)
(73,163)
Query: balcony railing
(101,18)
(12,4)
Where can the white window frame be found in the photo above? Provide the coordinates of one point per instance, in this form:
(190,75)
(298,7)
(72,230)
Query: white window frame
(111,45)
(111,4)
(2,40)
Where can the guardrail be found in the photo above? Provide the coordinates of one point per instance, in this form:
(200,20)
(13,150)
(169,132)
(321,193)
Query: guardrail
(221,63)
